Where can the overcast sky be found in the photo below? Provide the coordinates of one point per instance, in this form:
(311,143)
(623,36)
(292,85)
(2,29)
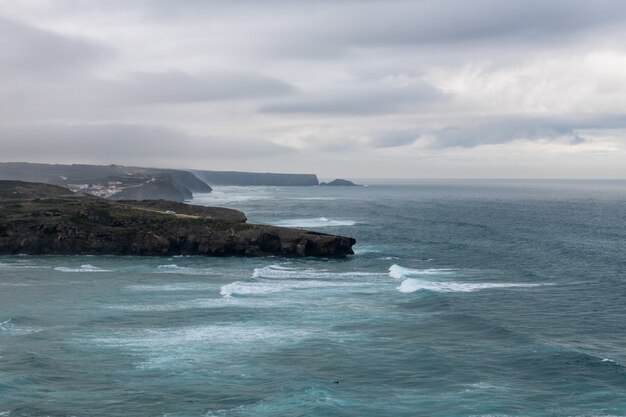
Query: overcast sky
(353,89)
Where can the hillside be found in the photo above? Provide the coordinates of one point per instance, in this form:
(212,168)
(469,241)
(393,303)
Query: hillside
(110,181)
(45,219)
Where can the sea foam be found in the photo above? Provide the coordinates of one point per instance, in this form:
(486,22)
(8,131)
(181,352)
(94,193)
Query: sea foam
(257,288)
(183,270)
(278,272)
(83,268)
(399,272)
(314,222)
(414,280)
(9,327)
(412,285)
(182,286)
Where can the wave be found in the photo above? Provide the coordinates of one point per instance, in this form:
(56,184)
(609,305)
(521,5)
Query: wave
(314,222)
(257,288)
(183,286)
(167,347)
(83,268)
(313,198)
(228,195)
(183,270)
(9,327)
(200,303)
(399,272)
(411,285)
(277,271)
(362,249)
(18,265)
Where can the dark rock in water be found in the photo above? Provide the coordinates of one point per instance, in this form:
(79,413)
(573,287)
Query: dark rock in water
(340,182)
(45,219)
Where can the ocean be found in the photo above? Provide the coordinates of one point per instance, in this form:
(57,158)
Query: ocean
(463,298)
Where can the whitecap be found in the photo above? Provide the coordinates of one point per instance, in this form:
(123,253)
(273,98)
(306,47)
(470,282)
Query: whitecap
(182,286)
(165,347)
(258,288)
(314,222)
(83,268)
(183,270)
(411,285)
(399,272)
(229,195)
(277,271)
(200,303)
(362,249)
(313,198)
(18,265)
(9,327)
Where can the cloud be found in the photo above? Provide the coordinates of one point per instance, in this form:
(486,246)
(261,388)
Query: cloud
(361,100)
(126,143)
(335,81)
(25,49)
(87,97)
(507,129)
(394,139)
(179,86)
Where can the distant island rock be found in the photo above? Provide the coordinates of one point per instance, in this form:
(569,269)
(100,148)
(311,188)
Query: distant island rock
(339,182)
(44,219)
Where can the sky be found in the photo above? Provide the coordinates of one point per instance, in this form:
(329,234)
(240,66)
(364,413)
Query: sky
(340,88)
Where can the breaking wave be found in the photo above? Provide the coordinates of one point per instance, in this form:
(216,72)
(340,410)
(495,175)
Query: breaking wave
(83,268)
(183,286)
(256,288)
(18,266)
(229,195)
(399,272)
(412,284)
(9,327)
(314,222)
(277,271)
(183,270)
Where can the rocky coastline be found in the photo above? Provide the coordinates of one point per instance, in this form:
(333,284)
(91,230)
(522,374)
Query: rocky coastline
(43,219)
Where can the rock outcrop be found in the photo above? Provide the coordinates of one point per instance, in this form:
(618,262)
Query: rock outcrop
(340,182)
(51,222)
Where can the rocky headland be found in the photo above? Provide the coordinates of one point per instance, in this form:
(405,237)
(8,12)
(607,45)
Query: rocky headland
(116,182)
(256,178)
(46,219)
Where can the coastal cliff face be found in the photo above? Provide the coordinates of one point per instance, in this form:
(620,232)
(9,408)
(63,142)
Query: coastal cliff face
(61,225)
(256,178)
(111,181)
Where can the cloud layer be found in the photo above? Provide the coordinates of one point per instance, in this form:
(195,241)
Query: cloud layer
(412,88)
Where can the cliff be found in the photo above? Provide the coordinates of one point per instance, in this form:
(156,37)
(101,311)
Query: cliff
(111,181)
(44,219)
(255,178)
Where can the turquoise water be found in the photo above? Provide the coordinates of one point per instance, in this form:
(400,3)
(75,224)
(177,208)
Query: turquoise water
(463,299)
